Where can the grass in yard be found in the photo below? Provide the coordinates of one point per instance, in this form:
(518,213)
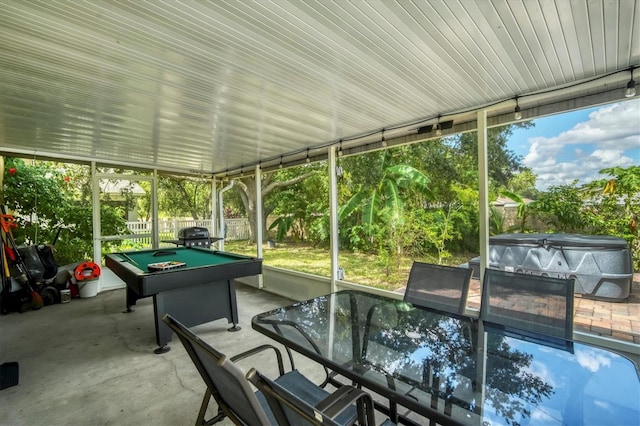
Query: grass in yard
(359,268)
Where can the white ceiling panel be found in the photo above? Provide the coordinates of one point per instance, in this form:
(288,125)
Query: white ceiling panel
(206,87)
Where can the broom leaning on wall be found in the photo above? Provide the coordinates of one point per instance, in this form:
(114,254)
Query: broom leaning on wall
(9,371)
(12,254)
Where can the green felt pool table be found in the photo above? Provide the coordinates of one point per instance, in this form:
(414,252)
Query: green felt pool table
(202,290)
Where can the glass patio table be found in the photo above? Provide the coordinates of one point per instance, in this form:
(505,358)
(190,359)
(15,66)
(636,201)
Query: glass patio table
(451,369)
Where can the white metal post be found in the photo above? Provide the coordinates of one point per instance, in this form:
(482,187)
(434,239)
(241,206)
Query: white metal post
(214,206)
(483,194)
(259,229)
(95,204)
(333,215)
(155,236)
(483,179)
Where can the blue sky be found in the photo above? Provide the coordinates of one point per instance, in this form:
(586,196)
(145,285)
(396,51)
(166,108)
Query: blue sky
(576,145)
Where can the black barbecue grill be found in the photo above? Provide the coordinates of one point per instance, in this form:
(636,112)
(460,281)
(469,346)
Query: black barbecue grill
(194,236)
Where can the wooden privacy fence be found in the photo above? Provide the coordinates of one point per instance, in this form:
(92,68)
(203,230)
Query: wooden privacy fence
(235,229)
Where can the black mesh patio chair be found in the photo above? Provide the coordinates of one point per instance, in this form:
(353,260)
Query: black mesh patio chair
(440,287)
(528,305)
(292,408)
(235,396)
(431,286)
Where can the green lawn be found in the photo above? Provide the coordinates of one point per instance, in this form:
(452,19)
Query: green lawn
(360,268)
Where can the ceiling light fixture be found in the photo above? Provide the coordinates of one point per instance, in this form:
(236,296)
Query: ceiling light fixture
(280,165)
(437,128)
(631,86)
(340,149)
(517,115)
(383,142)
(308,160)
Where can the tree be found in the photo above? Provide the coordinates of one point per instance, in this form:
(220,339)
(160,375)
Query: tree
(383,199)
(450,165)
(178,196)
(183,195)
(561,208)
(380,203)
(524,183)
(303,208)
(270,183)
(614,207)
(45,197)
(625,185)
(496,221)
(438,228)
(512,385)
(523,208)
(503,163)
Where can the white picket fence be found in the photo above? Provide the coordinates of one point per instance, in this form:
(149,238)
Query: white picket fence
(235,229)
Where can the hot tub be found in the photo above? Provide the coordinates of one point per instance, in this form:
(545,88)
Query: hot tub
(601,265)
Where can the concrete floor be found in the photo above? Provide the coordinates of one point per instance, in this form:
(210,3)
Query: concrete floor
(87,363)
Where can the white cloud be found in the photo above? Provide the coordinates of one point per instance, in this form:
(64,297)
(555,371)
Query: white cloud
(593,360)
(601,142)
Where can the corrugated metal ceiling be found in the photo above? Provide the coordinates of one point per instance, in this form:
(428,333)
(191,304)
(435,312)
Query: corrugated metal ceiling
(203,87)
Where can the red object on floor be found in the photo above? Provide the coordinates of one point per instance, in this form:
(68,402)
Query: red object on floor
(87,271)
(73,287)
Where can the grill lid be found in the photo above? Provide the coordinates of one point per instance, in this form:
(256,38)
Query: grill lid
(193,233)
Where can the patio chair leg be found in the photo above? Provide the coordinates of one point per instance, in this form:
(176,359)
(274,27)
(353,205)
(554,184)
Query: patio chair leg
(203,411)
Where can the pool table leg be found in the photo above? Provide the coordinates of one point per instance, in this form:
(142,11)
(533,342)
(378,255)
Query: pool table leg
(233,305)
(162,350)
(161,305)
(132,298)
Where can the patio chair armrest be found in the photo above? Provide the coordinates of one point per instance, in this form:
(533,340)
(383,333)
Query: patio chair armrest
(259,349)
(312,344)
(344,398)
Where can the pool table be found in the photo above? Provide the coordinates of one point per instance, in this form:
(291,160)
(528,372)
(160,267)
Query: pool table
(200,291)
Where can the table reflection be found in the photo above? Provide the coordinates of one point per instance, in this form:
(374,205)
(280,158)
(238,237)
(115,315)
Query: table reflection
(441,364)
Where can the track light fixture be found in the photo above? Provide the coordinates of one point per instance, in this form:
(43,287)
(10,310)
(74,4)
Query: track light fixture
(437,128)
(631,86)
(517,115)
(424,129)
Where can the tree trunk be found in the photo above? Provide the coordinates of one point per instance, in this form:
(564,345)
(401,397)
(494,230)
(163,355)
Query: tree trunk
(247,189)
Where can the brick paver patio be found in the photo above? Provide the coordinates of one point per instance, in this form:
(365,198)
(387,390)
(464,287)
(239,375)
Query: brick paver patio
(617,320)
